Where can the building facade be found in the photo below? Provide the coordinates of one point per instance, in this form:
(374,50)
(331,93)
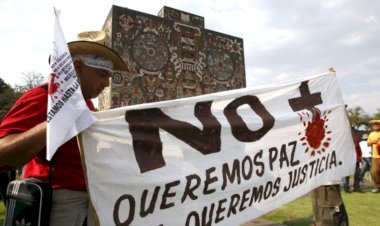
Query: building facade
(169,56)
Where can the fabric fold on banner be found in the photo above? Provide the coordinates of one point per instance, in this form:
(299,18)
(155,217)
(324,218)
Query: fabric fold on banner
(67,113)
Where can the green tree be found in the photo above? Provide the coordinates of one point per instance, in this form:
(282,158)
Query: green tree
(358,118)
(376,115)
(31,79)
(8,97)
(3,85)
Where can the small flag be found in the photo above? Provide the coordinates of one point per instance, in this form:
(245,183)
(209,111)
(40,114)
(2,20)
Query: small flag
(67,113)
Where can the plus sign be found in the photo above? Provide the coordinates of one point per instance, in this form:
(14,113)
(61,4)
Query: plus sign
(307,100)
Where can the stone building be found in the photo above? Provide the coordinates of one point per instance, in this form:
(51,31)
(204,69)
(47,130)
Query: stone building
(169,56)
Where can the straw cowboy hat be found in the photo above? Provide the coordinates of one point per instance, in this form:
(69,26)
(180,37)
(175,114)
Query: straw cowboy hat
(375,121)
(92,42)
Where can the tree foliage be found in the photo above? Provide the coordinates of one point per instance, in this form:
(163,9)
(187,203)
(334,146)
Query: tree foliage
(8,97)
(358,118)
(3,85)
(377,114)
(31,79)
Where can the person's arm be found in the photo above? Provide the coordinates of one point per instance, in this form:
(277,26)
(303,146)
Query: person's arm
(18,149)
(371,139)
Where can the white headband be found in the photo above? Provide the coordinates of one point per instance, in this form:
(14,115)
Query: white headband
(95,62)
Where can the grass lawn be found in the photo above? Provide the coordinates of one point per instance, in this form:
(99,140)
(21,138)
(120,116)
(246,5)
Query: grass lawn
(2,212)
(360,207)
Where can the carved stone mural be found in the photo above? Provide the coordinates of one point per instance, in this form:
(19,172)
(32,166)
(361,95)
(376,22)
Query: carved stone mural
(169,56)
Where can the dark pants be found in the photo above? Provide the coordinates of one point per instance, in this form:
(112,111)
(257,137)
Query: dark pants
(366,167)
(356,180)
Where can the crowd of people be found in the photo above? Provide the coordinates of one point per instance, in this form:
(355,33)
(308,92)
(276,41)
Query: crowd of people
(374,142)
(367,160)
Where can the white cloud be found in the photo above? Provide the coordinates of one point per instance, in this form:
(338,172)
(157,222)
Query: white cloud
(363,99)
(352,39)
(371,19)
(283,40)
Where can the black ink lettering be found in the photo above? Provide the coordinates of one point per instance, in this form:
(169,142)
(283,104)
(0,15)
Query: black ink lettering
(287,188)
(312,168)
(316,167)
(193,215)
(257,194)
(257,162)
(239,128)
(246,173)
(304,173)
(220,210)
(131,214)
(307,100)
(268,189)
(283,156)
(168,194)
(144,126)
(244,200)
(272,157)
(333,159)
(235,198)
(144,212)
(209,180)
(293,162)
(204,215)
(320,170)
(296,177)
(189,190)
(231,175)
(276,186)
(327,161)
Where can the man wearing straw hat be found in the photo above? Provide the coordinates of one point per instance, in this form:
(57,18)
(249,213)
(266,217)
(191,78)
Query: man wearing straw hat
(374,142)
(23,132)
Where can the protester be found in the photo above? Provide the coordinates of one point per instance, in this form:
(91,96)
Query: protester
(328,206)
(358,157)
(366,157)
(23,132)
(374,142)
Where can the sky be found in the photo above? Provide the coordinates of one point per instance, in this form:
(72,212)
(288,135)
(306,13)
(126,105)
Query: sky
(283,40)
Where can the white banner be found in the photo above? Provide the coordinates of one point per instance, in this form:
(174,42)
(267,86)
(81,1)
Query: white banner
(67,113)
(218,159)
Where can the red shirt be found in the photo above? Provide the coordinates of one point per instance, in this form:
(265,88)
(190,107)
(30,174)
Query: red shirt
(358,150)
(28,111)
